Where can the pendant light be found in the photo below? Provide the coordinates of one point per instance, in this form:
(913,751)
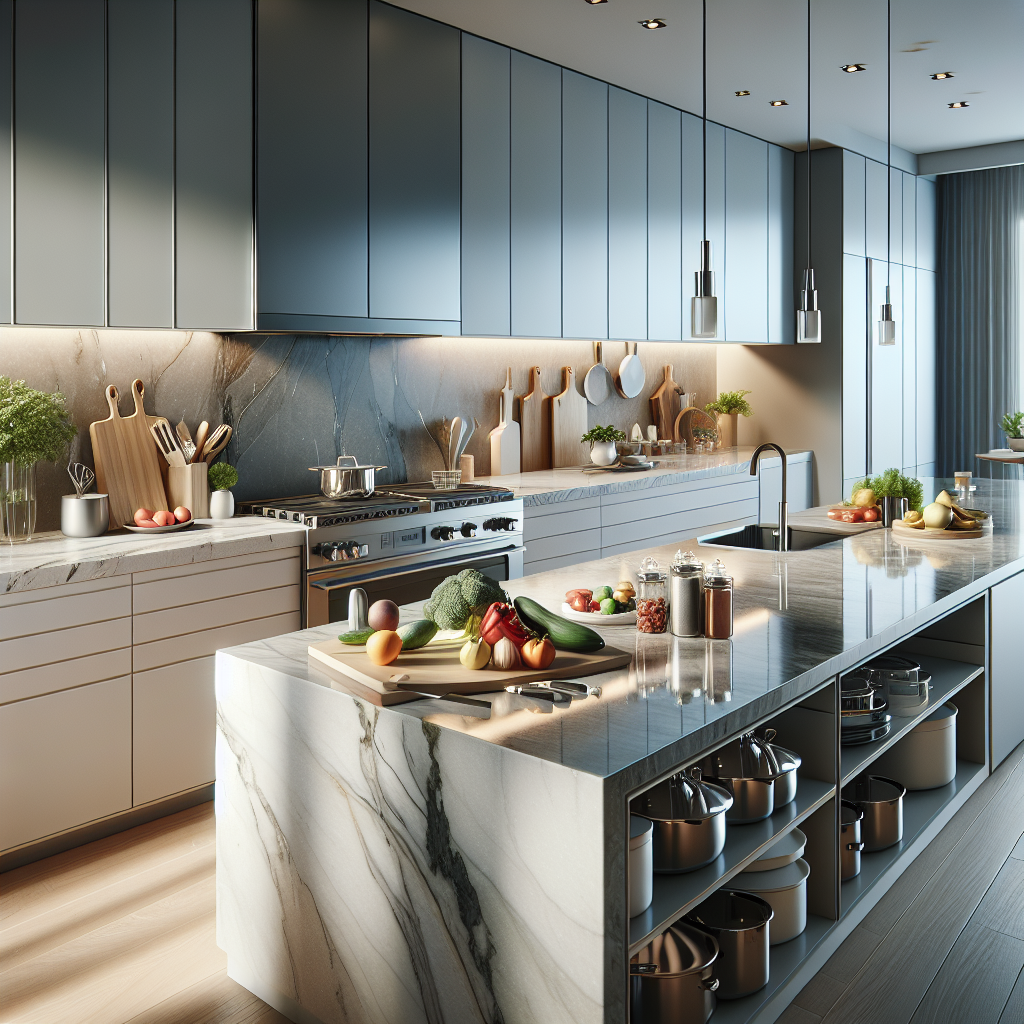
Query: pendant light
(886,325)
(808,316)
(704,305)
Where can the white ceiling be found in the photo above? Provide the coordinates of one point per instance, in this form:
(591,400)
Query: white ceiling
(760,45)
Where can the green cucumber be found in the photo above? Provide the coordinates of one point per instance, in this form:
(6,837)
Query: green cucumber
(356,636)
(417,634)
(565,635)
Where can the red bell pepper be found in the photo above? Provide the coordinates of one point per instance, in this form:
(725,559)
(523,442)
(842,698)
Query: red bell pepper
(500,620)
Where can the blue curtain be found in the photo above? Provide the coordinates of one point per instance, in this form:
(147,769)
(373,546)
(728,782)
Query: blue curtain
(978,373)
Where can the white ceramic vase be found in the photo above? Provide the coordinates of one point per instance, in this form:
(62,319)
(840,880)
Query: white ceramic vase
(222,504)
(603,453)
(1015,443)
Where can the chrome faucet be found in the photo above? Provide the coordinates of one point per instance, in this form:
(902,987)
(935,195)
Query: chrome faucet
(784,504)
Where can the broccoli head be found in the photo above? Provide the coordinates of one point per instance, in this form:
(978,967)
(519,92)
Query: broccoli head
(459,599)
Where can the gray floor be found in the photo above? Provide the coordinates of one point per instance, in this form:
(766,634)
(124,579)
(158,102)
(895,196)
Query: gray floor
(945,945)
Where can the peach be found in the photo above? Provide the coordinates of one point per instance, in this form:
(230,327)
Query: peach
(145,522)
(163,518)
(143,516)
(182,514)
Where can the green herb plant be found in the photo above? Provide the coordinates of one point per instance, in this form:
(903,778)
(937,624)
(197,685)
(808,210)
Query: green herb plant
(729,402)
(1012,424)
(222,477)
(609,433)
(34,425)
(893,484)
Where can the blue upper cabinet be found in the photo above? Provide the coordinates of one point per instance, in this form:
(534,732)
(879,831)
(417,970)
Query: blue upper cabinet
(536,197)
(692,213)
(486,222)
(584,207)
(746,238)
(664,191)
(781,293)
(875,210)
(414,169)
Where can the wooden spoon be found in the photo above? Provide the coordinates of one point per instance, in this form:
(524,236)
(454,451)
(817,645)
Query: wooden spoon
(201,435)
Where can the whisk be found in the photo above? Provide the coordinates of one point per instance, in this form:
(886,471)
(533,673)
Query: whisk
(81,476)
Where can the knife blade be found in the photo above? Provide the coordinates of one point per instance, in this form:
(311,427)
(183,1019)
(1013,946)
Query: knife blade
(540,693)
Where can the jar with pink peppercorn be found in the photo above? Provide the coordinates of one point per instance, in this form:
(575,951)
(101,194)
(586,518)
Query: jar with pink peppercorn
(651,597)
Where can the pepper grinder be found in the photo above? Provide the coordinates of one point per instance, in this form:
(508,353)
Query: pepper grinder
(718,603)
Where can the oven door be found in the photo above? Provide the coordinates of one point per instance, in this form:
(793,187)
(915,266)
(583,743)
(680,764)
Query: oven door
(327,590)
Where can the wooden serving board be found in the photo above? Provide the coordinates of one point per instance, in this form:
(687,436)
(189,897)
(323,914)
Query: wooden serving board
(568,424)
(535,422)
(901,532)
(665,405)
(689,419)
(505,436)
(438,670)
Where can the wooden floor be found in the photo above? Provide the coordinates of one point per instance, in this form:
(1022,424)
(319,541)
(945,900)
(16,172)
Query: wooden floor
(122,930)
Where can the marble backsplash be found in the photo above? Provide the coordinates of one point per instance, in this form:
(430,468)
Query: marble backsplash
(298,400)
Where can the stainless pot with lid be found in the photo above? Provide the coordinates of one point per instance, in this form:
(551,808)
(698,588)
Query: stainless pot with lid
(350,480)
(881,801)
(850,844)
(689,821)
(747,769)
(739,921)
(788,762)
(671,979)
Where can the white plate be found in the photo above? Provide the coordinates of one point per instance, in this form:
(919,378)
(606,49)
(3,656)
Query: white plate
(160,529)
(598,619)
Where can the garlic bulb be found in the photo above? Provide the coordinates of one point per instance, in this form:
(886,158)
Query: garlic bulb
(505,655)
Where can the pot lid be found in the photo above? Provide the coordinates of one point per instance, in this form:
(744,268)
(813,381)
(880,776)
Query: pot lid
(679,951)
(873,789)
(785,851)
(651,571)
(640,831)
(684,798)
(787,877)
(941,718)
(686,565)
(346,466)
(893,663)
(716,574)
(728,910)
(750,757)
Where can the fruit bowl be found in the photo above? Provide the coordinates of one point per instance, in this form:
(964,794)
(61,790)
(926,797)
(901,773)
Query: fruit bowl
(161,529)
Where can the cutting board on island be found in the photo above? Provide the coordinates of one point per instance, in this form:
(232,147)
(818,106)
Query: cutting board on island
(568,424)
(440,671)
(505,436)
(535,425)
(665,405)
(126,458)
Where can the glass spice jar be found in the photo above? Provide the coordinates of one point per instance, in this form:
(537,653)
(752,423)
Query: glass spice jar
(718,610)
(651,597)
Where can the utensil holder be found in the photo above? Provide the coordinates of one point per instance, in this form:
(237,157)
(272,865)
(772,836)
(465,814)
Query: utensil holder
(187,485)
(893,509)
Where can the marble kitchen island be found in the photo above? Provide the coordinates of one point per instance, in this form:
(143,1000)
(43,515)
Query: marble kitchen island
(415,863)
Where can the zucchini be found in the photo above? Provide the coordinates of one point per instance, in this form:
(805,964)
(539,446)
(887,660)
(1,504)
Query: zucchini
(564,634)
(417,634)
(356,636)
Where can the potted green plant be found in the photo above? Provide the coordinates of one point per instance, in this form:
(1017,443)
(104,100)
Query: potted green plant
(222,477)
(602,444)
(34,427)
(727,407)
(896,493)
(1012,425)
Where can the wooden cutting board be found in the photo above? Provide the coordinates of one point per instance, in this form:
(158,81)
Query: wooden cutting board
(535,424)
(505,436)
(568,424)
(126,459)
(665,405)
(903,533)
(440,671)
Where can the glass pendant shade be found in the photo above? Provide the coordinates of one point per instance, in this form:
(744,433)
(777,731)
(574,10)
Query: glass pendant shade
(887,326)
(808,316)
(704,306)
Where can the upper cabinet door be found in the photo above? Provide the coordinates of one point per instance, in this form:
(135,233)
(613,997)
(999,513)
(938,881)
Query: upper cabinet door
(584,206)
(692,212)
(781,293)
(415,265)
(925,217)
(664,227)
(486,271)
(312,233)
(213,164)
(6,64)
(59,162)
(875,210)
(886,363)
(855,339)
(746,237)
(853,203)
(716,223)
(909,220)
(627,215)
(140,163)
(925,371)
(894,202)
(536,201)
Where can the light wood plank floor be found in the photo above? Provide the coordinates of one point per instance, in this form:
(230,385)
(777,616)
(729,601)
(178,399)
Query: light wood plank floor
(122,931)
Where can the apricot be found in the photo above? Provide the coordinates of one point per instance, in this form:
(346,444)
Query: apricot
(182,514)
(383,647)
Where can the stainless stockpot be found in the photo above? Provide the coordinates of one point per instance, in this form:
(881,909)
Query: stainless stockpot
(850,844)
(689,821)
(739,921)
(788,762)
(350,480)
(881,800)
(747,770)
(671,979)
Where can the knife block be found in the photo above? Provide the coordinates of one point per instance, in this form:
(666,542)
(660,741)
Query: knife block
(187,485)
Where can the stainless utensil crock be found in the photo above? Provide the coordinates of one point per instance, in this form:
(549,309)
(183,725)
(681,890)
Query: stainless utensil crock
(739,922)
(881,801)
(893,509)
(346,479)
(671,980)
(86,515)
(850,843)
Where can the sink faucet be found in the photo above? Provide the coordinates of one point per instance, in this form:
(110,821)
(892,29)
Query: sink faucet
(784,504)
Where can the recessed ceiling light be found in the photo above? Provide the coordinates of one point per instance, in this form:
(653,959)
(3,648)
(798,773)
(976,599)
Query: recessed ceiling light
(940,76)
(742,92)
(778,103)
(958,104)
(653,22)
(852,69)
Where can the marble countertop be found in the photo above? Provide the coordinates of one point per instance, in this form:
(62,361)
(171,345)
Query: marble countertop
(800,618)
(555,485)
(50,559)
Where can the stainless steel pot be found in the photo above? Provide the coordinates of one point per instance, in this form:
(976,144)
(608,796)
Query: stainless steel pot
(689,821)
(881,800)
(850,845)
(671,979)
(346,481)
(788,762)
(747,770)
(893,509)
(739,921)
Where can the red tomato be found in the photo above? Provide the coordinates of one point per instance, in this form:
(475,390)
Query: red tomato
(595,606)
(537,653)
(580,602)
(871,515)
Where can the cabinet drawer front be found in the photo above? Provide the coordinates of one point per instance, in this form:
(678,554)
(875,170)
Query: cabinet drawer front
(656,504)
(546,564)
(53,608)
(64,675)
(76,642)
(681,525)
(553,547)
(65,759)
(206,586)
(173,728)
(562,523)
(207,641)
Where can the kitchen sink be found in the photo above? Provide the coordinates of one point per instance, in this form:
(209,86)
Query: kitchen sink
(766,538)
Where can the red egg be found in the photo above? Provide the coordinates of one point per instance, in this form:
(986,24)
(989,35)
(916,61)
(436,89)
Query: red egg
(163,518)
(143,516)
(182,514)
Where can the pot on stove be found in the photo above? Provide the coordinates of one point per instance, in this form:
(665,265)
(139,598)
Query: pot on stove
(346,480)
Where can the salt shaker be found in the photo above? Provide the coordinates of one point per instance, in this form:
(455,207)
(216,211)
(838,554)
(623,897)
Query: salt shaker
(717,602)
(651,597)
(686,598)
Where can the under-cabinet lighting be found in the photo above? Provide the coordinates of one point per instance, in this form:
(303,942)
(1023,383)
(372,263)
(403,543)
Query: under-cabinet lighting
(653,22)
(596,1)
(941,76)
(852,69)
(778,103)
(958,105)
(742,92)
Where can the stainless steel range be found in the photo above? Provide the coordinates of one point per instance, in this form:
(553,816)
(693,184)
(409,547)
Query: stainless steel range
(399,542)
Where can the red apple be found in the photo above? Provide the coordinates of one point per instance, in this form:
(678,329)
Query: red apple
(382,615)
(143,516)
(163,518)
(182,514)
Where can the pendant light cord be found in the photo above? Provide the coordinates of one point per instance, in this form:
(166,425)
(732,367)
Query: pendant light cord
(704,107)
(809,264)
(888,148)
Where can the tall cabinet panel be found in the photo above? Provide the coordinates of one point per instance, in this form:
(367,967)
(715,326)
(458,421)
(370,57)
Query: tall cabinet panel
(886,363)
(485,187)
(213,164)
(875,210)
(536,197)
(312,242)
(140,163)
(909,220)
(627,215)
(853,203)
(6,98)
(926,240)
(415,264)
(664,240)
(584,206)
(908,332)
(855,370)
(781,293)
(692,211)
(894,203)
(746,237)
(59,162)
(925,378)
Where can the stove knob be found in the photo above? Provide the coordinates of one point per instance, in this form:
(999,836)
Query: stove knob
(329,551)
(443,532)
(508,524)
(468,530)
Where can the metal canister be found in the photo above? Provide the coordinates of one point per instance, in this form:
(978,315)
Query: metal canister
(357,608)
(718,602)
(686,597)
